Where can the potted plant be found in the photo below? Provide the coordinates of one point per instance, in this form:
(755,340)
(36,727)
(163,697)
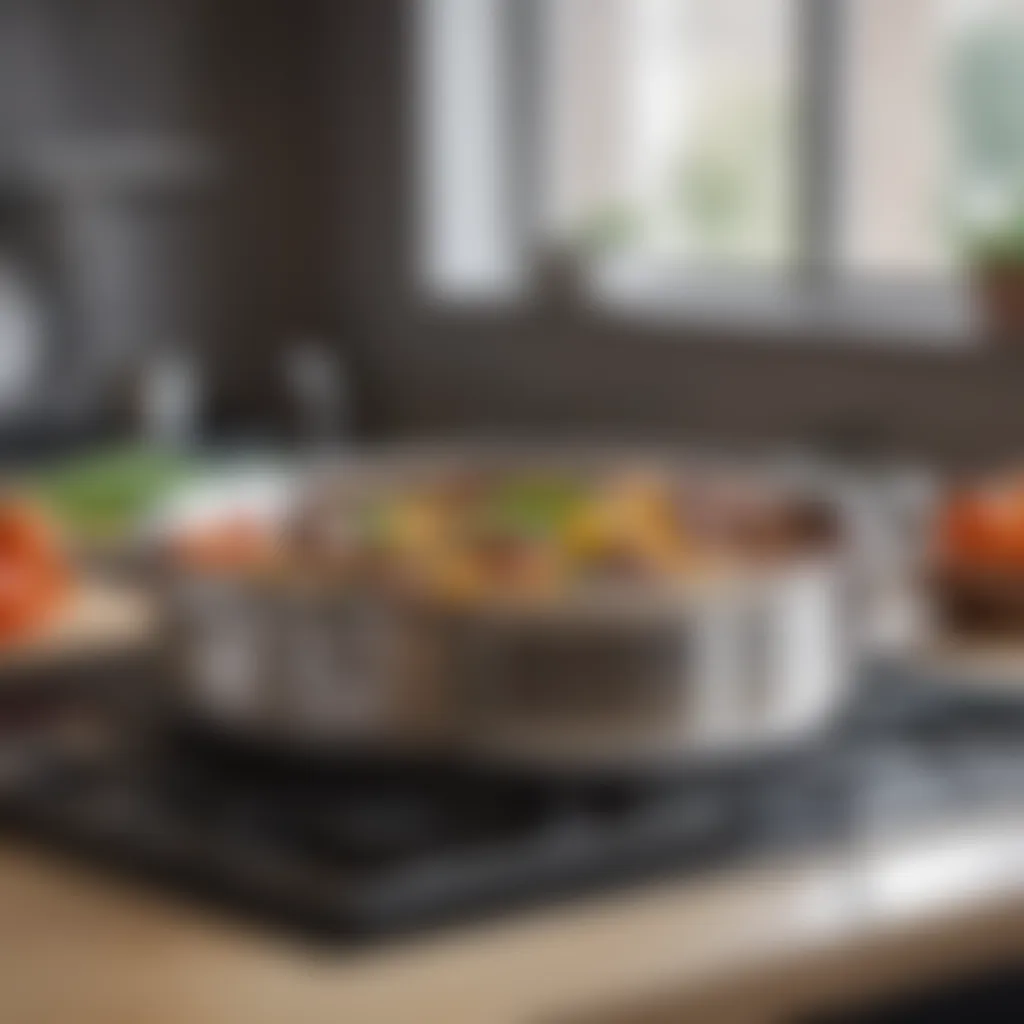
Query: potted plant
(996,266)
(987,137)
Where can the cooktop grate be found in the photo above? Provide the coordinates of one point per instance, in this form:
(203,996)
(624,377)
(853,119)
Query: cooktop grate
(359,849)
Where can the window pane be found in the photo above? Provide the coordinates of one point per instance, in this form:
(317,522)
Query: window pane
(467,245)
(675,127)
(934,128)
(893,199)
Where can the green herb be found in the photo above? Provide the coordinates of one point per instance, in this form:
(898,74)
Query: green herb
(105,494)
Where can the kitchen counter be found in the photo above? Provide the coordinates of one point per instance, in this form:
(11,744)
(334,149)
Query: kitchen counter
(749,944)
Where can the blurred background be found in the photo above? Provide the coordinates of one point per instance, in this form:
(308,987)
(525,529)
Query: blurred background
(730,222)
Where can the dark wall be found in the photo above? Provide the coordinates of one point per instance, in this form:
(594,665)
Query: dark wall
(102,133)
(268,117)
(212,242)
(539,373)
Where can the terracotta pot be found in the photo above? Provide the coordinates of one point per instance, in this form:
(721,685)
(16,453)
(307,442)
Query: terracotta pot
(1000,290)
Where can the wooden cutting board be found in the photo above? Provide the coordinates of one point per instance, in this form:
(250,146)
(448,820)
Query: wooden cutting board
(101,619)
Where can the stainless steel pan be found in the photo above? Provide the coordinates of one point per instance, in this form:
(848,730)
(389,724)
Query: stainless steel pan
(739,667)
(742,667)
(722,667)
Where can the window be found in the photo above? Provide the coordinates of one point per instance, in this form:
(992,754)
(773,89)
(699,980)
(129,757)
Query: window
(788,151)
(893,161)
(467,241)
(676,128)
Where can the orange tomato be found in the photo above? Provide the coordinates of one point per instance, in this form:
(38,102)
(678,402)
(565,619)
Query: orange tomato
(984,528)
(34,575)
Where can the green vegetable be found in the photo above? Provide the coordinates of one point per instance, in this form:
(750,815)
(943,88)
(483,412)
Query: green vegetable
(532,506)
(103,495)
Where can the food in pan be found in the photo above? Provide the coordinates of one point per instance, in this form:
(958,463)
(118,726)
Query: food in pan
(235,543)
(479,533)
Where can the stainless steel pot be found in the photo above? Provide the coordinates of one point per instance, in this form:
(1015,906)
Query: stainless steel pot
(726,668)
(306,666)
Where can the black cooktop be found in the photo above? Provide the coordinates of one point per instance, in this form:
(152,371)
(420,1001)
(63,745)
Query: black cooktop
(355,849)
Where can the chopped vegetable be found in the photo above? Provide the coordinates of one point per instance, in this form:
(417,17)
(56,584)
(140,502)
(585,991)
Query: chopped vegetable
(34,576)
(103,495)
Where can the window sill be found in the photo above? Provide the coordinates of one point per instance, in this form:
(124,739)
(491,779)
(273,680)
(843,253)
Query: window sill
(935,314)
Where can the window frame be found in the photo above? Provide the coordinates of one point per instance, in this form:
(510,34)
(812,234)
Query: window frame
(810,298)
